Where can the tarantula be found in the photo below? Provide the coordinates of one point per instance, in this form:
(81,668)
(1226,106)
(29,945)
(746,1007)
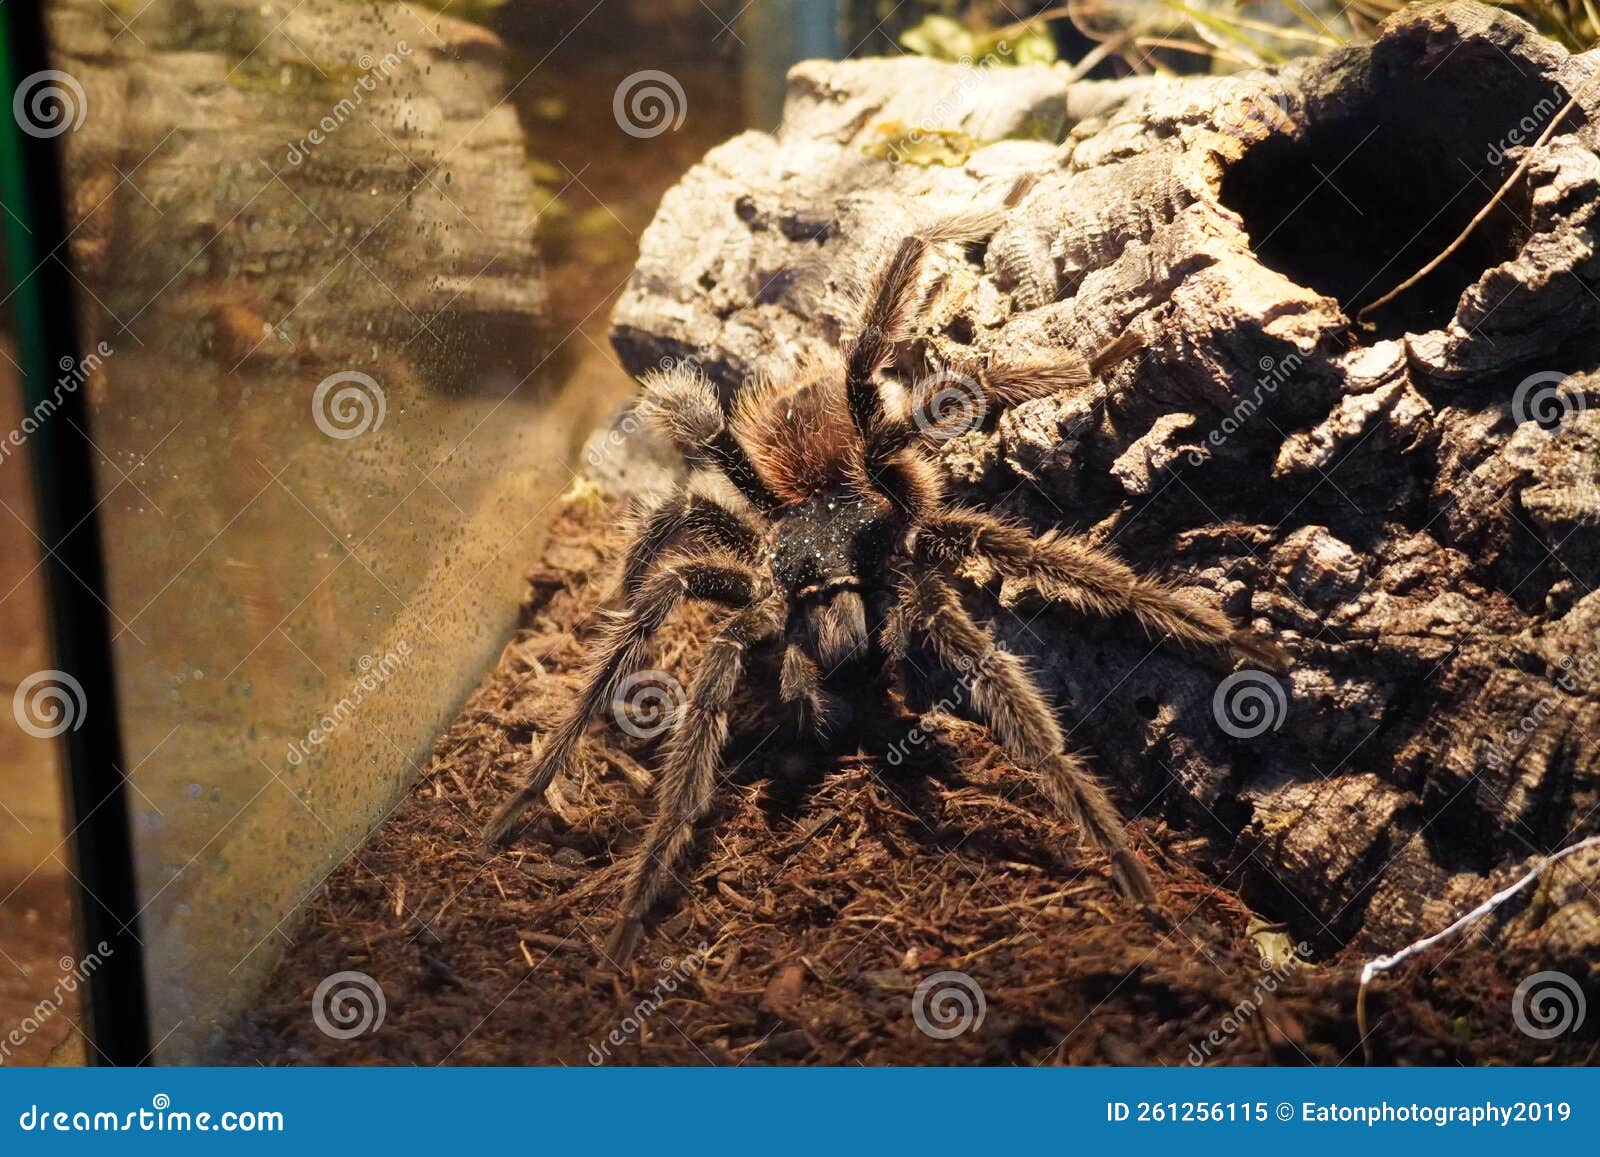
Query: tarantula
(836,543)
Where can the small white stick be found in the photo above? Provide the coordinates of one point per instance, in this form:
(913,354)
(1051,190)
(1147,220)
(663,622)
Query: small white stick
(1384,963)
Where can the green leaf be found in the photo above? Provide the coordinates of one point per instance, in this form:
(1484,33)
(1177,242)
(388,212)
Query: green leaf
(939,37)
(942,38)
(1034,47)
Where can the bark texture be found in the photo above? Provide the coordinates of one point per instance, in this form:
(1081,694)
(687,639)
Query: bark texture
(1411,507)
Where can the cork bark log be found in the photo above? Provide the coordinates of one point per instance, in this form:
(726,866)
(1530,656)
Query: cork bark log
(1410,507)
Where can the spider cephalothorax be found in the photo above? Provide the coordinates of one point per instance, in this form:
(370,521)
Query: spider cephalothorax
(834,543)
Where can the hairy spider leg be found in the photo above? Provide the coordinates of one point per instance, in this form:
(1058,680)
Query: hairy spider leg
(684,521)
(688,776)
(680,401)
(1066,569)
(1019,716)
(624,647)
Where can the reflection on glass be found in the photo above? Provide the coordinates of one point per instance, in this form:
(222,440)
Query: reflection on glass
(35,916)
(346,270)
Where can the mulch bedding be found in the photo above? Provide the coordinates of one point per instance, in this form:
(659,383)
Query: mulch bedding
(816,902)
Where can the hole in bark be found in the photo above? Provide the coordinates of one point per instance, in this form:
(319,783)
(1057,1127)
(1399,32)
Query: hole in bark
(1361,201)
(961,329)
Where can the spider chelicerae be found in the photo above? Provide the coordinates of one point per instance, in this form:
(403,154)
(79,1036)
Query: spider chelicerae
(832,541)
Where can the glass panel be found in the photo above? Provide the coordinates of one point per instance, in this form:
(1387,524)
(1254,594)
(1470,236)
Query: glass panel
(36,934)
(345,275)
